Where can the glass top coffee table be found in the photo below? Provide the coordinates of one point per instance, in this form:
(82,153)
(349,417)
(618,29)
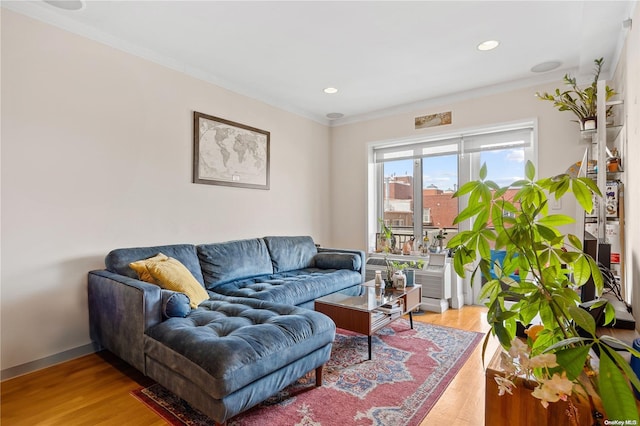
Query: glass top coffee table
(370,309)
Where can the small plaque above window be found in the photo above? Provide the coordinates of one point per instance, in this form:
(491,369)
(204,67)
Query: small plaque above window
(433,120)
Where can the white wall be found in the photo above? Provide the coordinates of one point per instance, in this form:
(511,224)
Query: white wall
(559,146)
(628,74)
(97,154)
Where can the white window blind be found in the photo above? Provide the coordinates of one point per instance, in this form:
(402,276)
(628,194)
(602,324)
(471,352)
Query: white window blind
(466,143)
(518,138)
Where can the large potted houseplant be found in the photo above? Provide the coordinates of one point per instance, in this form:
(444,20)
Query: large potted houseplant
(581,101)
(557,353)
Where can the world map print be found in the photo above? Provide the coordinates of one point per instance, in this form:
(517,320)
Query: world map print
(232,154)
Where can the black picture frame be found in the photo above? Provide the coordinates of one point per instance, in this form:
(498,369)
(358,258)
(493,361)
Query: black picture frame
(229,153)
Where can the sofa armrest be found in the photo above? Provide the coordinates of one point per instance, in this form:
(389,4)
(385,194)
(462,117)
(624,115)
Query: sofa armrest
(359,253)
(120,310)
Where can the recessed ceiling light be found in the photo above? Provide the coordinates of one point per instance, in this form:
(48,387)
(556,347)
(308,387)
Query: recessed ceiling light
(66,4)
(334,115)
(488,45)
(330,90)
(546,66)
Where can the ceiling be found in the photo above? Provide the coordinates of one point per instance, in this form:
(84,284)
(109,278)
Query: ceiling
(383,57)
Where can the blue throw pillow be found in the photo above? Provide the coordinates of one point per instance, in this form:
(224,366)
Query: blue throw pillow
(175,304)
(291,253)
(334,260)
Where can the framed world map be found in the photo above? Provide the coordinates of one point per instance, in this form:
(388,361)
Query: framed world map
(229,153)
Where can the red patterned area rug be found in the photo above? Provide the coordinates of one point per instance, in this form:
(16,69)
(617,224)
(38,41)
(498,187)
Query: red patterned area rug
(409,372)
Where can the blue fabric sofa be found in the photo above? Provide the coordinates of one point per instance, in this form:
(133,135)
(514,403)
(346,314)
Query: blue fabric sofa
(253,336)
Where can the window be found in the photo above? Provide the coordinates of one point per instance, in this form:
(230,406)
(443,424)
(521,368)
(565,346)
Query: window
(414,181)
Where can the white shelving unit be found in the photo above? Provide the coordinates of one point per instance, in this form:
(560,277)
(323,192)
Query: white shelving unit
(601,141)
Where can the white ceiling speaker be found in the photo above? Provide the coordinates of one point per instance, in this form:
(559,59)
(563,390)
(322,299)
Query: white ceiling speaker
(66,4)
(546,66)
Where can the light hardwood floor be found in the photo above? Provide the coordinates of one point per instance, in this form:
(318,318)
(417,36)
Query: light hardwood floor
(94,389)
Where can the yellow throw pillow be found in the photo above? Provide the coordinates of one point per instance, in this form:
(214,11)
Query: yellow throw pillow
(141,267)
(170,274)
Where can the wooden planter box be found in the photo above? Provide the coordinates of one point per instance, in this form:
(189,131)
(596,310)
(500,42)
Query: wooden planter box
(522,408)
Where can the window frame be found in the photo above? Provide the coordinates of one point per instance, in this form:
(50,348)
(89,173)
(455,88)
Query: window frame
(468,167)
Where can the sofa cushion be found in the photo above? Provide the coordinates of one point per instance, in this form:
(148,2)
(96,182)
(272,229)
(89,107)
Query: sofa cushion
(170,274)
(175,304)
(334,260)
(293,287)
(118,260)
(225,345)
(233,260)
(291,253)
(140,267)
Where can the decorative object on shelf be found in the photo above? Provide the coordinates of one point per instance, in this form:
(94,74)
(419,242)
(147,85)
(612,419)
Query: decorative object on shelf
(582,102)
(574,169)
(378,280)
(399,280)
(407,247)
(408,268)
(387,246)
(424,247)
(385,240)
(551,265)
(229,153)
(614,163)
(437,245)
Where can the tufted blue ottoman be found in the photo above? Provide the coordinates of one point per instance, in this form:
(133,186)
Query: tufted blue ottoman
(229,355)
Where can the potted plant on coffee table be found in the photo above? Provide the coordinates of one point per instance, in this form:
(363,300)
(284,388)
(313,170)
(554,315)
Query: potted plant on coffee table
(557,354)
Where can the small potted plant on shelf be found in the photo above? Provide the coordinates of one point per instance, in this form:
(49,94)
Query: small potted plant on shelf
(387,241)
(561,335)
(581,101)
(407,267)
(437,245)
(387,245)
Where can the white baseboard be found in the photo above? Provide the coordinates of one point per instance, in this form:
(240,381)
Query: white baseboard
(434,305)
(39,364)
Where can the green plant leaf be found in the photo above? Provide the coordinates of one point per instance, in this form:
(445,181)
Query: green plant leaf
(562,188)
(502,334)
(590,183)
(581,270)
(519,183)
(572,360)
(546,232)
(575,242)
(583,319)
(612,341)
(466,188)
(566,342)
(529,170)
(481,219)
(500,192)
(491,184)
(609,314)
(528,312)
(582,194)
(469,212)
(617,398)
(483,247)
(485,342)
(488,289)
(556,220)
(596,274)
(458,264)
(483,171)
